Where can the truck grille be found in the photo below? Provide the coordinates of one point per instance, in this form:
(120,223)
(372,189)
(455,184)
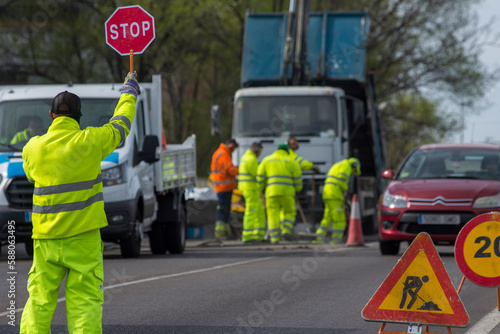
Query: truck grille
(19,193)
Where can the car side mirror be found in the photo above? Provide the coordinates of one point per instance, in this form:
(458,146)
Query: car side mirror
(388,174)
(150,149)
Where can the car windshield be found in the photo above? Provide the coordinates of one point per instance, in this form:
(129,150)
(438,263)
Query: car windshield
(451,163)
(20,120)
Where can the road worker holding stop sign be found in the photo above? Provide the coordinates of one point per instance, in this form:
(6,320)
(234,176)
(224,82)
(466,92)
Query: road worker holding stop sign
(68,212)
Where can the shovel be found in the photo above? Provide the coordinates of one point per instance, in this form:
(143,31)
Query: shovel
(302,215)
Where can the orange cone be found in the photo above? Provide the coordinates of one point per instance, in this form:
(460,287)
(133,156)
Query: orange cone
(355,234)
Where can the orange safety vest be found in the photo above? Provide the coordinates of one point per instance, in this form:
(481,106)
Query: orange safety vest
(222,169)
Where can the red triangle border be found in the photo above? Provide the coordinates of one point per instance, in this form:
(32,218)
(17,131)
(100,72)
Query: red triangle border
(372,312)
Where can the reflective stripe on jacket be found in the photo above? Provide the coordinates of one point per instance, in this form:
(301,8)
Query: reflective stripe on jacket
(223,173)
(65,165)
(279,175)
(337,180)
(303,163)
(247,172)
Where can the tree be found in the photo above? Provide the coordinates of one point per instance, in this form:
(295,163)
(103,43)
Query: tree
(410,129)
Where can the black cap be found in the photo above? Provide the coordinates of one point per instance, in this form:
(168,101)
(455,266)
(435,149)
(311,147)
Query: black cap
(68,104)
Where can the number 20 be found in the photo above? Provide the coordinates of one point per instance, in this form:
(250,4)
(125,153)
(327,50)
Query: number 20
(481,252)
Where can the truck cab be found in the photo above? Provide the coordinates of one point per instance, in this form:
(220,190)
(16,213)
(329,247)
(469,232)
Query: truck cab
(314,115)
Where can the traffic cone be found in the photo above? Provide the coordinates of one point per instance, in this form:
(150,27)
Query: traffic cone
(355,234)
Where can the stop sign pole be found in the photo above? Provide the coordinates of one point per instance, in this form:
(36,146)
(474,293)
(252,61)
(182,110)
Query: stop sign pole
(131,61)
(129,31)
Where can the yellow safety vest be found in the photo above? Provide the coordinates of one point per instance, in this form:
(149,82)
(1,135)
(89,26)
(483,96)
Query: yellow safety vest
(303,163)
(337,180)
(247,172)
(279,174)
(65,165)
(21,136)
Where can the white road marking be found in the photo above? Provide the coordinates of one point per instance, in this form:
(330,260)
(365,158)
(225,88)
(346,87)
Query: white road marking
(155,278)
(486,324)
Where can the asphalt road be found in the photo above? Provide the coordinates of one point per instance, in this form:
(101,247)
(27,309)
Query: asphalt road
(289,288)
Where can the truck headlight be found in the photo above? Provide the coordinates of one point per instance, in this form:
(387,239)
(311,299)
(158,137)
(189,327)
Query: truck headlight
(487,202)
(113,176)
(394,201)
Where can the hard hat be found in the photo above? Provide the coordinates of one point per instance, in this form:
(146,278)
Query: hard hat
(356,164)
(283,146)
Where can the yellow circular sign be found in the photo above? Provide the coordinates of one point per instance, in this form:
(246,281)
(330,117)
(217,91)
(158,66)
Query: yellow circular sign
(482,249)
(477,249)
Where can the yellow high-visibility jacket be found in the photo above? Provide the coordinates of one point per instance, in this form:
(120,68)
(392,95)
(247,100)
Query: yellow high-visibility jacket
(337,180)
(247,172)
(21,136)
(65,165)
(279,175)
(303,163)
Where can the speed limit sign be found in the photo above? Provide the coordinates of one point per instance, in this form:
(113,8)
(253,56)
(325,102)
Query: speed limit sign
(477,250)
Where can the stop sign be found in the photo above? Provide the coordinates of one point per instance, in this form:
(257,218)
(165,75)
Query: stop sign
(130,28)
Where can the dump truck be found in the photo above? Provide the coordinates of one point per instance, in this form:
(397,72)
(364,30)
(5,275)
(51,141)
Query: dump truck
(304,75)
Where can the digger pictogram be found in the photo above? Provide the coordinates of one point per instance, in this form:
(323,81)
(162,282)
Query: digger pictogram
(412,286)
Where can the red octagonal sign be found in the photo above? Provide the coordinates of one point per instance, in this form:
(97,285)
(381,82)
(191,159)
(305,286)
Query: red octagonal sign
(129,29)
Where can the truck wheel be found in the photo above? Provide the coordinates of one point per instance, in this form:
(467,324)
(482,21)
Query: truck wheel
(176,231)
(131,246)
(389,247)
(157,238)
(28,245)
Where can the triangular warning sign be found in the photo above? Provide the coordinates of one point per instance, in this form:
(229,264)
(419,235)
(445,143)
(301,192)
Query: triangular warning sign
(418,290)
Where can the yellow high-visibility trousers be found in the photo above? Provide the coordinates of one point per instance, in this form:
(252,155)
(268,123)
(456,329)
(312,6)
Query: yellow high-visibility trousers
(334,221)
(280,216)
(254,219)
(79,258)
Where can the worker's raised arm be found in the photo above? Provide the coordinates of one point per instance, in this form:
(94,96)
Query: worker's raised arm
(119,125)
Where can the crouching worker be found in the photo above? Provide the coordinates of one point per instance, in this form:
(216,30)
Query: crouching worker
(336,184)
(68,211)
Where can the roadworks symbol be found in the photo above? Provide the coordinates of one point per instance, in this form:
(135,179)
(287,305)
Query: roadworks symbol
(418,290)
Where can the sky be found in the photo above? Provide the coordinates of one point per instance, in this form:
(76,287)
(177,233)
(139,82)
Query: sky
(485,126)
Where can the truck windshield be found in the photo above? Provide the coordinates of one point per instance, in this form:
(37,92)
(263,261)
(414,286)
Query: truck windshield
(261,116)
(20,120)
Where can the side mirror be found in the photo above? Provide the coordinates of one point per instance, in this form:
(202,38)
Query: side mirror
(388,174)
(150,150)
(215,117)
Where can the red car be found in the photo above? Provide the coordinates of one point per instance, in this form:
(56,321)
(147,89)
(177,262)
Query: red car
(438,189)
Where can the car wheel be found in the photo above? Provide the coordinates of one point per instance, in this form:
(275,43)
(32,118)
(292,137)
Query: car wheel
(131,246)
(389,247)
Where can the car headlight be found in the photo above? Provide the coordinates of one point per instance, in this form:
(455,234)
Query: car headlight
(394,201)
(487,202)
(113,176)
